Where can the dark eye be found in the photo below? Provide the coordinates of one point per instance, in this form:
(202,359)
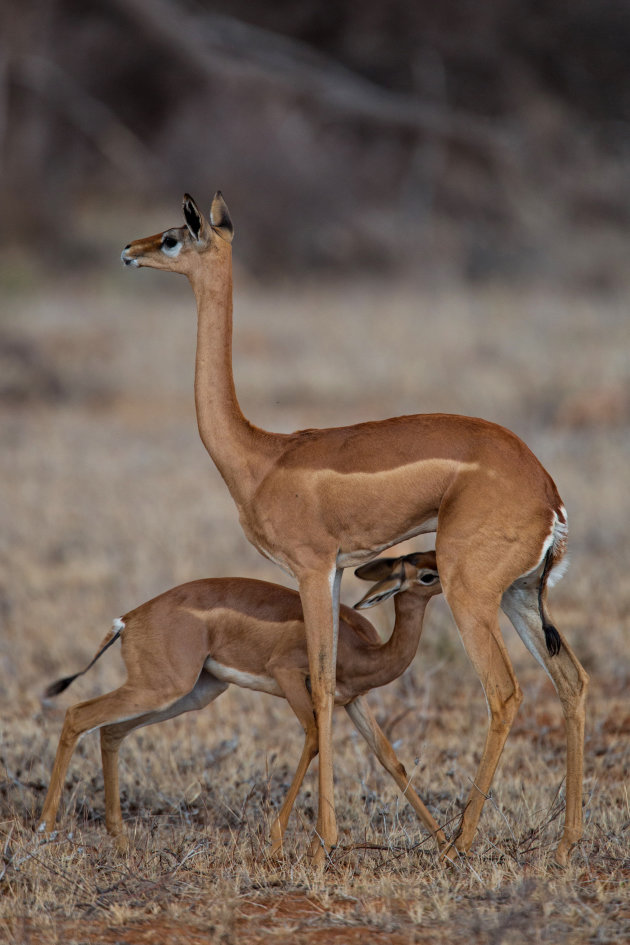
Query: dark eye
(169,242)
(429,577)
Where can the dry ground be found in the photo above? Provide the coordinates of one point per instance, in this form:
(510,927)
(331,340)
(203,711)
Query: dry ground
(107,498)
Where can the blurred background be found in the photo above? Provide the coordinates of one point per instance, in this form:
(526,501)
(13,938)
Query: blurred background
(484,140)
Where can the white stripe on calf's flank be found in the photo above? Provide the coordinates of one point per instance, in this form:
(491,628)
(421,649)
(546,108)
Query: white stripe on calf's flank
(229,674)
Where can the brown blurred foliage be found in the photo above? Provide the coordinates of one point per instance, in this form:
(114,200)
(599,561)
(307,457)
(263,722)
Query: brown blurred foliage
(490,137)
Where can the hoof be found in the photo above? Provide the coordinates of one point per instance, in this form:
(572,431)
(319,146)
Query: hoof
(564,849)
(276,836)
(121,844)
(449,855)
(276,852)
(45,832)
(561,857)
(318,854)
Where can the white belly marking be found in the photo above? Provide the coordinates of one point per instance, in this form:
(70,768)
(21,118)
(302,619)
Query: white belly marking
(245,680)
(351,559)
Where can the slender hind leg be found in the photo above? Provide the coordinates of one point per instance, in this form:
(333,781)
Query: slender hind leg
(478,625)
(520,603)
(206,690)
(127,702)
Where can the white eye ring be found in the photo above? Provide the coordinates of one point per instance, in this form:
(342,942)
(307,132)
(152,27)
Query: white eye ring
(172,251)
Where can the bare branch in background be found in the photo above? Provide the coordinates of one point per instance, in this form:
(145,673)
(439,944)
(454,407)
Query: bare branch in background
(489,138)
(120,146)
(220,46)
(4,101)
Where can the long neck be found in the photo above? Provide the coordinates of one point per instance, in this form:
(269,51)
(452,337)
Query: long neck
(238,448)
(379,665)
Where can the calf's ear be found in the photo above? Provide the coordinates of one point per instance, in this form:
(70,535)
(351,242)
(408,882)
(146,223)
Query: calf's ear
(380,592)
(377,570)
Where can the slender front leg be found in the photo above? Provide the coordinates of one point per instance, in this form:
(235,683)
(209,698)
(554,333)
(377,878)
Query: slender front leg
(319,593)
(279,826)
(293,686)
(365,723)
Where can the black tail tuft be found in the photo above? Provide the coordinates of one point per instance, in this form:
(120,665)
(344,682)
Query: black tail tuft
(55,688)
(552,638)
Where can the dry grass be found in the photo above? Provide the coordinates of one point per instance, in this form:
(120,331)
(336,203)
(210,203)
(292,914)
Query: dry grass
(108,498)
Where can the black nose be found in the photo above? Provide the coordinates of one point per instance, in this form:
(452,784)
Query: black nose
(128,245)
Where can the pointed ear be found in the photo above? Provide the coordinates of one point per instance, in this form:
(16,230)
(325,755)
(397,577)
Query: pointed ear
(195,220)
(380,592)
(220,218)
(377,570)
(421,559)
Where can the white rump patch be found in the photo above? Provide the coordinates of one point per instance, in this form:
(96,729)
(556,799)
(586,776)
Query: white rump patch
(556,539)
(559,535)
(118,625)
(556,574)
